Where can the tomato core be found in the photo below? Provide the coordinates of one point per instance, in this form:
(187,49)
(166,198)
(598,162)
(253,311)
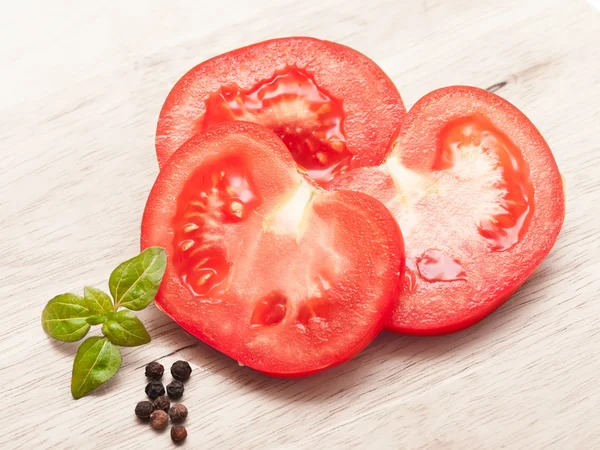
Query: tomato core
(507,223)
(306,118)
(219,193)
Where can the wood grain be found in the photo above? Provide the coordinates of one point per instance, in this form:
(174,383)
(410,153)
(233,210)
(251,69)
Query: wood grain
(81,87)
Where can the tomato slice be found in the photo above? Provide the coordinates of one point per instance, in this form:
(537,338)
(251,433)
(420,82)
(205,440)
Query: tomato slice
(334,108)
(480,202)
(263,265)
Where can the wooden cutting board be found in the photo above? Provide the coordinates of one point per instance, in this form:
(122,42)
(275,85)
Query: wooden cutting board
(81,87)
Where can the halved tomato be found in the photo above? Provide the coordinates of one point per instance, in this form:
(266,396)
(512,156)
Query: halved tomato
(266,267)
(480,202)
(334,108)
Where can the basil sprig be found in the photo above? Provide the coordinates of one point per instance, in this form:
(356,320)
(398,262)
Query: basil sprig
(69,317)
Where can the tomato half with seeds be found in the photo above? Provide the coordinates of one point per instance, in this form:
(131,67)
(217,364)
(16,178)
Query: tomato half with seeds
(334,108)
(263,265)
(479,200)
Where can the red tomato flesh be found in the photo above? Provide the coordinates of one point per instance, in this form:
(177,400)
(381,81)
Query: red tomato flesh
(333,107)
(266,267)
(480,202)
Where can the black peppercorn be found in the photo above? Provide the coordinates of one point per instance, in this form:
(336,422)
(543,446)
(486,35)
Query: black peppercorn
(155,389)
(155,370)
(178,413)
(144,409)
(181,370)
(175,389)
(159,420)
(163,403)
(178,433)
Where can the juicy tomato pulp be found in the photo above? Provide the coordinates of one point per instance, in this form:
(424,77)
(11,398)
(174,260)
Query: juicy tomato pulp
(276,273)
(221,193)
(480,202)
(333,107)
(307,119)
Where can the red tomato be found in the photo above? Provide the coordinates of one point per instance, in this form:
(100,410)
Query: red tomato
(334,108)
(480,202)
(266,267)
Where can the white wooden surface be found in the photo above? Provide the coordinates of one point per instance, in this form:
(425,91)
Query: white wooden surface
(81,85)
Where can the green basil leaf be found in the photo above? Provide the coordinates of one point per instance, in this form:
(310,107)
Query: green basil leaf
(98,302)
(64,318)
(96,319)
(126,329)
(96,362)
(134,283)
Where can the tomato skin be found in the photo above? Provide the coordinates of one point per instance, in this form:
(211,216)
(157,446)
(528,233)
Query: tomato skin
(372,103)
(490,277)
(367,288)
